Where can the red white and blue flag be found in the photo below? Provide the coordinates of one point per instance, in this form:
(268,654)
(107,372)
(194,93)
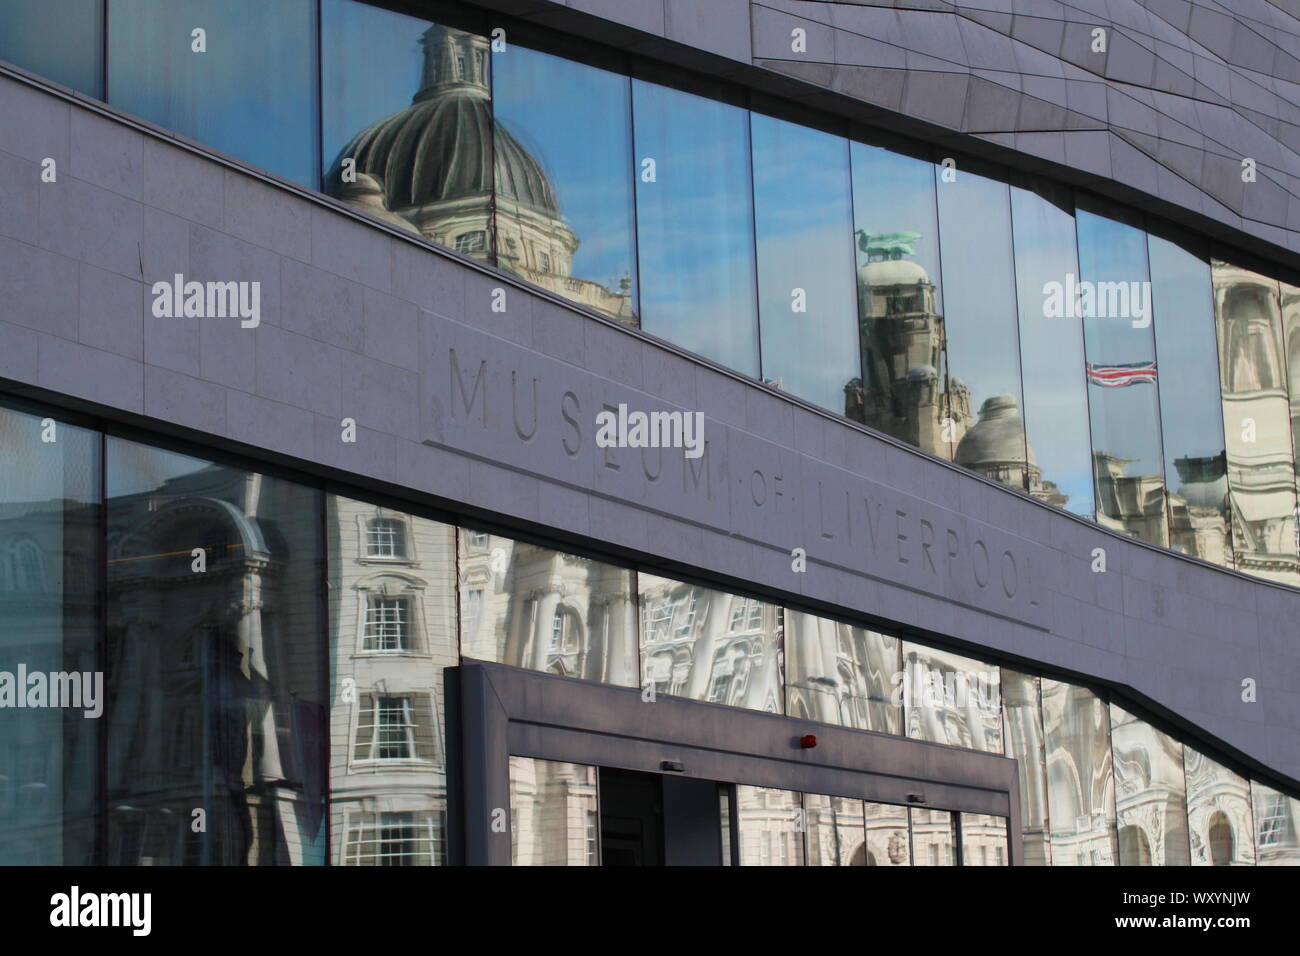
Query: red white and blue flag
(1121,376)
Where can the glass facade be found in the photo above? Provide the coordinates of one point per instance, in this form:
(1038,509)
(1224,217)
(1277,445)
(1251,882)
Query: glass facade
(981,336)
(273,656)
(237,75)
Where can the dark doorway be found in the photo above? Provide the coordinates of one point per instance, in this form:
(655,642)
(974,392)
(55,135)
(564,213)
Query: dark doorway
(651,820)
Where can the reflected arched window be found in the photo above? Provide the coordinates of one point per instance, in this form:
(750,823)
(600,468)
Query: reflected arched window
(23,566)
(1222,844)
(1134,847)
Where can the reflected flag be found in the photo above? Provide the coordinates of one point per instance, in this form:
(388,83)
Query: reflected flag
(1121,376)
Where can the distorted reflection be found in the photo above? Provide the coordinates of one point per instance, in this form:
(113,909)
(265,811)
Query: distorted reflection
(553,815)
(1219,816)
(835,831)
(983,840)
(408,127)
(1291,340)
(1150,793)
(710,645)
(951,699)
(983,342)
(1277,827)
(215,678)
(888,840)
(903,391)
(1256,423)
(1080,786)
(932,839)
(49,574)
(534,607)
(1023,719)
(841,674)
(564,210)
(1191,414)
(392,605)
(771,824)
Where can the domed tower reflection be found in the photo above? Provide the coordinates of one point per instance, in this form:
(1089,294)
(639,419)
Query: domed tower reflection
(444,168)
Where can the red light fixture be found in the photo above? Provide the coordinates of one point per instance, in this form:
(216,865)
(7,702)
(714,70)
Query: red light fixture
(808,741)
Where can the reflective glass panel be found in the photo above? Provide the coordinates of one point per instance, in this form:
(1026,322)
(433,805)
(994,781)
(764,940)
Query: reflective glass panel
(553,815)
(804,221)
(529,606)
(1218,812)
(983,840)
(408,103)
(888,842)
(563,209)
(1080,785)
(710,645)
(250,90)
(58,39)
(1115,298)
(392,603)
(932,838)
(1277,827)
(950,699)
(1150,793)
(771,824)
(1023,718)
(1256,423)
(1191,413)
(49,573)
(987,430)
(840,674)
(835,831)
(695,224)
(1059,468)
(903,391)
(217,666)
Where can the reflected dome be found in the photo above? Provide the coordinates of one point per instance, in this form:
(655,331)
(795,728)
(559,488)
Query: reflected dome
(883,272)
(998,436)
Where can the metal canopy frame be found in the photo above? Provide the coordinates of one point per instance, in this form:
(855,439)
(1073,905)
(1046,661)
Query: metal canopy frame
(506,711)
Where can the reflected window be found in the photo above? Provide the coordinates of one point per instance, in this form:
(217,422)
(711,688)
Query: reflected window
(386,538)
(950,699)
(216,680)
(932,838)
(554,819)
(1220,822)
(986,432)
(841,674)
(903,389)
(221,96)
(1115,299)
(57,39)
(1191,413)
(407,127)
(1277,826)
(1256,423)
(568,202)
(770,825)
(387,624)
(710,645)
(546,610)
(804,220)
(1150,793)
(1058,466)
(402,838)
(1080,784)
(983,839)
(695,224)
